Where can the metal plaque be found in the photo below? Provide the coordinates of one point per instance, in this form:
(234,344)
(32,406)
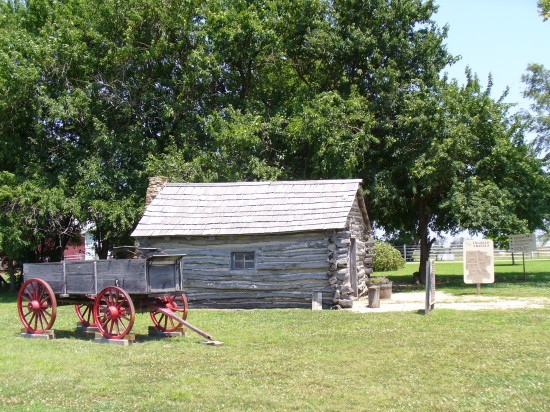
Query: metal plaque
(523,243)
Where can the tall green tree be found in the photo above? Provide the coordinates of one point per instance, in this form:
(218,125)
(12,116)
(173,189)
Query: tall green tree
(460,163)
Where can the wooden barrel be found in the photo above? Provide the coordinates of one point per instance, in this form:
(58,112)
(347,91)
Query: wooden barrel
(374,297)
(385,290)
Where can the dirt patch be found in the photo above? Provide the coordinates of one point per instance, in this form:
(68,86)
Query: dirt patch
(413,301)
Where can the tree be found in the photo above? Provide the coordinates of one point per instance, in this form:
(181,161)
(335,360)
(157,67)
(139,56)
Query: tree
(90,89)
(459,164)
(36,222)
(537,81)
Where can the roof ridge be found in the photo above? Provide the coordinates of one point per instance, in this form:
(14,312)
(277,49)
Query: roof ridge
(267,182)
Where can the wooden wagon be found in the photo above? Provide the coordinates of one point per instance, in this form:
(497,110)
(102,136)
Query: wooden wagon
(106,294)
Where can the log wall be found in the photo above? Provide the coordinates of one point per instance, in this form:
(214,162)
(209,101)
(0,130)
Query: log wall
(288,269)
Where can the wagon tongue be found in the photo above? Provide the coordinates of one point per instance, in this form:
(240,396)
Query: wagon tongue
(168,312)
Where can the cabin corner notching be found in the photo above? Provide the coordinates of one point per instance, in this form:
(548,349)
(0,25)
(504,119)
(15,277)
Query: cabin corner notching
(264,244)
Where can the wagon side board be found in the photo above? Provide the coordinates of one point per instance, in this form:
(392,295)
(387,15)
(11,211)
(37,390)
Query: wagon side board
(50,272)
(80,277)
(129,274)
(135,276)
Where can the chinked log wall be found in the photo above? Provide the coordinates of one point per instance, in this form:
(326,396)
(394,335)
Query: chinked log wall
(339,259)
(289,268)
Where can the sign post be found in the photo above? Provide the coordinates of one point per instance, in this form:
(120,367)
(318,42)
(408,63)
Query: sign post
(478,262)
(523,243)
(430,287)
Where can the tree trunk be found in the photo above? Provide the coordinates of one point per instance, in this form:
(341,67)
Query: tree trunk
(102,247)
(12,277)
(425,241)
(3,284)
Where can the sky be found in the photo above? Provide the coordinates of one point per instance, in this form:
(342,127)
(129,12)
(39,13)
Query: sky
(501,37)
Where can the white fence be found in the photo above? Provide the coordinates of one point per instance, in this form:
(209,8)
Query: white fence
(411,253)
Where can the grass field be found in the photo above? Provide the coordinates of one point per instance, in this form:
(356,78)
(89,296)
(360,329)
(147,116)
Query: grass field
(295,360)
(509,279)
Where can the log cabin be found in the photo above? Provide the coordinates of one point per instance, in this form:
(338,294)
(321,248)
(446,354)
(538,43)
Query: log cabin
(263,244)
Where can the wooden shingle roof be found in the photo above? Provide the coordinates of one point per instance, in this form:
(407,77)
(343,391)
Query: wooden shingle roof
(209,209)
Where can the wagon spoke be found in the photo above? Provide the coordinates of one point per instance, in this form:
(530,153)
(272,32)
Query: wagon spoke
(35,290)
(32,317)
(118,297)
(31,288)
(108,298)
(41,296)
(31,291)
(41,318)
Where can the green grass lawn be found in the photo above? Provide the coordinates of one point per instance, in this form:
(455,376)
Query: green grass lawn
(294,360)
(509,279)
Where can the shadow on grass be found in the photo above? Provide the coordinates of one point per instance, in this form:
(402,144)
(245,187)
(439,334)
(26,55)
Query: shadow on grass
(8,297)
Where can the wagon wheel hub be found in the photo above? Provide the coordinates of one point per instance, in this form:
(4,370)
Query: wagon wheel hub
(35,305)
(112,312)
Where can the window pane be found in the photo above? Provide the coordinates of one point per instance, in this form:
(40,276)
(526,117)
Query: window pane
(242,260)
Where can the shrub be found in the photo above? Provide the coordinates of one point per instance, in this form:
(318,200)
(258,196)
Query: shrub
(379,281)
(387,257)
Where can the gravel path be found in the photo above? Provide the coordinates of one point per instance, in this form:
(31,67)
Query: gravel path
(413,301)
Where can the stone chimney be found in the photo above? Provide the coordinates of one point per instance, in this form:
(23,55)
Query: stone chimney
(156,184)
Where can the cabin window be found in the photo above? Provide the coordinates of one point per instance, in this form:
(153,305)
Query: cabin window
(243,260)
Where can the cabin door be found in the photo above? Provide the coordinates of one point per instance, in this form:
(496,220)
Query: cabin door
(353,266)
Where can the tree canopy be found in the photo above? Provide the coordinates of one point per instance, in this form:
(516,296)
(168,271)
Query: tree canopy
(95,96)
(537,80)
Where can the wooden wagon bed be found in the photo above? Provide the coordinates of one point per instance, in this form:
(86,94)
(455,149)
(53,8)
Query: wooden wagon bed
(101,291)
(159,274)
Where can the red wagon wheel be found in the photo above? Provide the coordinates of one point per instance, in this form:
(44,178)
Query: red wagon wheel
(85,313)
(165,323)
(37,306)
(114,312)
